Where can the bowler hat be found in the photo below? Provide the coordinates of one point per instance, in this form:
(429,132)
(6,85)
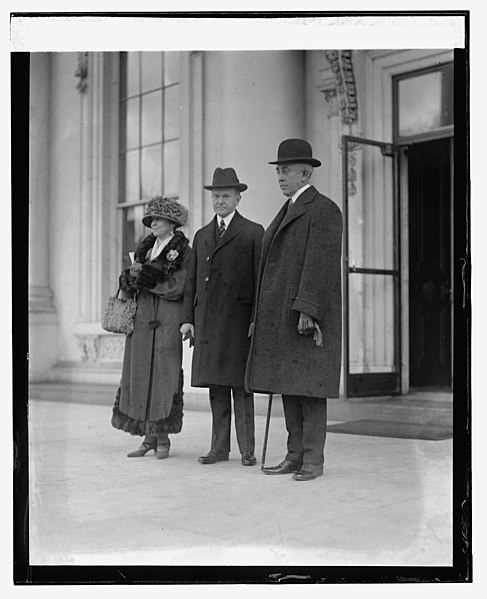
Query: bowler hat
(165,208)
(225,177)
(296,151)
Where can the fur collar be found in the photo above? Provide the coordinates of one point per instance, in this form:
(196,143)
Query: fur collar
(170,258)
(178,242)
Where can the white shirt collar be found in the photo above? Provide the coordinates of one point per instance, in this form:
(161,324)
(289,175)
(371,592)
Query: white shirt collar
(299,192)
(227,219)
(160,245)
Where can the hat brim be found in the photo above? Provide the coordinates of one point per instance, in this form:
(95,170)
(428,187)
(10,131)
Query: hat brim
(298,160)
(238,187)
(147,220)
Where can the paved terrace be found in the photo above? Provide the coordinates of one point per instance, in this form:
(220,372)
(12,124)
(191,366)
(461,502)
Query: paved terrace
(382,501)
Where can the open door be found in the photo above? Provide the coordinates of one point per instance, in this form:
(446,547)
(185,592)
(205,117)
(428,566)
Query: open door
(430,288)
(372,348)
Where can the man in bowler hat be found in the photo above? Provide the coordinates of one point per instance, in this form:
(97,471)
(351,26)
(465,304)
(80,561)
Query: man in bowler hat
(218,303)
(296,342)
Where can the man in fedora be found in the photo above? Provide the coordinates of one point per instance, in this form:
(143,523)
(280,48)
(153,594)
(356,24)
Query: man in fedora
(218,303)
(296,342)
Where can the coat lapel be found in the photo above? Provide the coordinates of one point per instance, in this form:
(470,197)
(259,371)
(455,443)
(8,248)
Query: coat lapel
(271,232)
(233,230)
(284,217)
(209,237)
(298,209)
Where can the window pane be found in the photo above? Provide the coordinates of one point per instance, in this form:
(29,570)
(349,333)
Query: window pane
(171,168)
(133,72)
(171,67)
(132,177)
(133,231)
(151,70)
(370,208)
(171,112)
(151,166)
(425,102)
(152,118)
(132,123)
(371,332)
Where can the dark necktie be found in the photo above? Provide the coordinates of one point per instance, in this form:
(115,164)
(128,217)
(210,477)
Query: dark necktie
(221,229)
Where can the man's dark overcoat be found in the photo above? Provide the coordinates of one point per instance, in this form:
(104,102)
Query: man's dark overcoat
(300,271)
(218,300)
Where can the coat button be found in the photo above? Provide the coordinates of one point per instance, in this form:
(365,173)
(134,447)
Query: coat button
(207,279)
(207,258)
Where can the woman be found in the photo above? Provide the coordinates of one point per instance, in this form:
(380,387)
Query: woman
(149,401)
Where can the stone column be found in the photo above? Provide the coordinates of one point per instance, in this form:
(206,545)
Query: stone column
(42,314)
(98,226)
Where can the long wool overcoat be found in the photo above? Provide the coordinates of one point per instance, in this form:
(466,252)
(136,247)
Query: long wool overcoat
(150,396)
(219,298)
(300,271)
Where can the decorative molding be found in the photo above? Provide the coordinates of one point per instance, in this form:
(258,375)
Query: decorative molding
(101,349)
(89,348)
(345,101)
(111,348)
(342,67)
(352,173)
(82,72)
(353,148)
(331,98)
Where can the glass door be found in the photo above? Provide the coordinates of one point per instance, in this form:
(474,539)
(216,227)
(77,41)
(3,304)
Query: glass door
(371,294)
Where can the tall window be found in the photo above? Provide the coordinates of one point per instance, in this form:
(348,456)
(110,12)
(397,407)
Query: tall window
(150,108)
(424,104)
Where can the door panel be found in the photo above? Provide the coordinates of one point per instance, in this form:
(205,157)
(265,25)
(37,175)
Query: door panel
(429,264)
(370,269)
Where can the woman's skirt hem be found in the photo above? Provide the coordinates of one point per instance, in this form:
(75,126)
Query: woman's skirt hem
(171,425)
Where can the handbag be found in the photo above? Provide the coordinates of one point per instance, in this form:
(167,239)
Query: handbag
(119,315)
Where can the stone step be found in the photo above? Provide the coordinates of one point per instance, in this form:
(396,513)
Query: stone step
(418,408)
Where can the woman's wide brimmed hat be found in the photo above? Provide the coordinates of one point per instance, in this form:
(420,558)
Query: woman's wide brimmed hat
(165,208)
(225,177)
(295,151)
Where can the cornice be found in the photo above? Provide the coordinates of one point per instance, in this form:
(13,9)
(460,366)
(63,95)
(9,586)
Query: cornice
(342,66)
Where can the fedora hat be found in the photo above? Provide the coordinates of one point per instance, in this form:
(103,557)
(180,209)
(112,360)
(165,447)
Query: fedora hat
(295,150)
(225,177)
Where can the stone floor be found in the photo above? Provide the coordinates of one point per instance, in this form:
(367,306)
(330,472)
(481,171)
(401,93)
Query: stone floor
(382,501)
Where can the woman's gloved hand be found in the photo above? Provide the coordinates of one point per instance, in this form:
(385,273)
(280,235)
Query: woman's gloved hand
(147,277)
(127,282)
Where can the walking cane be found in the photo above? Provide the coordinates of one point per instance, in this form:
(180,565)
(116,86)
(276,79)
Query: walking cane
(266,434)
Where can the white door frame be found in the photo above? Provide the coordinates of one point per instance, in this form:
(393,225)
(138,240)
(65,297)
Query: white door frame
(380,68)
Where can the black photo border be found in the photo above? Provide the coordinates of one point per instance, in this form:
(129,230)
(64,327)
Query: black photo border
(26,574)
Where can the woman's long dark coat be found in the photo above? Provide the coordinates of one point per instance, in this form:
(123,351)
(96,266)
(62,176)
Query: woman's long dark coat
(150,400)
(218,300)
(300,272)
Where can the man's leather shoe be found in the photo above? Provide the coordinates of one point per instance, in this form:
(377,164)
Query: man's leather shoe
(285,467)
(248,458)
(309,472)
(212,457)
